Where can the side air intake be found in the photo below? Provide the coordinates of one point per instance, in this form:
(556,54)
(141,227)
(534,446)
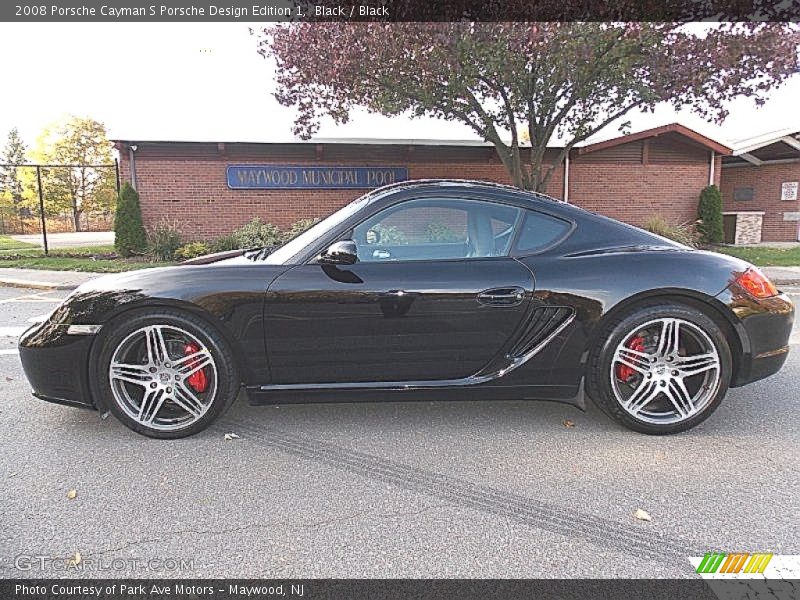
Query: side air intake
(543,322)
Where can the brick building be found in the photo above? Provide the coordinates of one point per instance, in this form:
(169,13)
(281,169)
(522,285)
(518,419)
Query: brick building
(211,188)
(760,186)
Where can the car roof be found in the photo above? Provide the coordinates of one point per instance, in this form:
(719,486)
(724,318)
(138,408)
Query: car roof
(600,225)
(456,183)
(451,182)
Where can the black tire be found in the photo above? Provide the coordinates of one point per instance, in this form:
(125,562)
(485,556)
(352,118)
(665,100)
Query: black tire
(599,366)
(113,333)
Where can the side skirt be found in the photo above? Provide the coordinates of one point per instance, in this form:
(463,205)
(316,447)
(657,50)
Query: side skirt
(567,394)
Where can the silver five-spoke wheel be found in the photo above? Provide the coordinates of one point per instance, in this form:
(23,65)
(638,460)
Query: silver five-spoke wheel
(665,371)
(163,377)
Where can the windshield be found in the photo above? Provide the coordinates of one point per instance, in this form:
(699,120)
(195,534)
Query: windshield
(290,249)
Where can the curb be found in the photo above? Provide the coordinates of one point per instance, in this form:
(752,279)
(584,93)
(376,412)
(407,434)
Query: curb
(36,285)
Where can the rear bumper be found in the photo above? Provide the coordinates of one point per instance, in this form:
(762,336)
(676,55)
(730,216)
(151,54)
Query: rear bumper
(56,364)
(762,367)
(765,327)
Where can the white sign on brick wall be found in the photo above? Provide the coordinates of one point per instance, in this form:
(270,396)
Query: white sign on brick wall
(789,190)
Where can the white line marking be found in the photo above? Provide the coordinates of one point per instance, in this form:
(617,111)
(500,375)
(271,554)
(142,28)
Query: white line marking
(12,331)
(38,297)
(9,351)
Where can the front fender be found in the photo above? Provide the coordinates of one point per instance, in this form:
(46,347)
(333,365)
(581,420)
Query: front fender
(230,297)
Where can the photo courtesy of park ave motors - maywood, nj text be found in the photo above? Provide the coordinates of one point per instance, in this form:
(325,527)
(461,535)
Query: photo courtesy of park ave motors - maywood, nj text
(399,300)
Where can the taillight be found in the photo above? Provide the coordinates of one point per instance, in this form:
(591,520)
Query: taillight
(757,284)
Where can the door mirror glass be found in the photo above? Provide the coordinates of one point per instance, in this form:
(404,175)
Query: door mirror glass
(343,252)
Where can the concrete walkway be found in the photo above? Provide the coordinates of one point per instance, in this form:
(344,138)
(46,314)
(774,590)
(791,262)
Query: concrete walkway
(783,275)
(778,245)
(40,279)
(69,240)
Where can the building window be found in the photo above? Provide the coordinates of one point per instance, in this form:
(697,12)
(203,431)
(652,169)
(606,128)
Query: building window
(743,193)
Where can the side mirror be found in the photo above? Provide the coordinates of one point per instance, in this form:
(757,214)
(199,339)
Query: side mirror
(343,252)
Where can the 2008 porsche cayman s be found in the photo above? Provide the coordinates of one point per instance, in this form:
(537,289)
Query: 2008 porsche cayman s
(430,289)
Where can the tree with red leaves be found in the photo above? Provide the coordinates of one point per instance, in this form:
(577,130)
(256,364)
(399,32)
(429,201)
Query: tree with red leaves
(545,79)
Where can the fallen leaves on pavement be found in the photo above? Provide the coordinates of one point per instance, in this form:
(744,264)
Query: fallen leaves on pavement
(642,515)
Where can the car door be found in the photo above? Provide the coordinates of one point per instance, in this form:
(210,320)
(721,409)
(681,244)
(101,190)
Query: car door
(433,297)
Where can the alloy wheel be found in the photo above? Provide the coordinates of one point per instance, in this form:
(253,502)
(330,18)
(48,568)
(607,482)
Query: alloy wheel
(163,377)
(665,371)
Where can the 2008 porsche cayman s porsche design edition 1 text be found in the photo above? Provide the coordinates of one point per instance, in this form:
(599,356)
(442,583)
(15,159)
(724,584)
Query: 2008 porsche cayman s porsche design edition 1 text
(431,289)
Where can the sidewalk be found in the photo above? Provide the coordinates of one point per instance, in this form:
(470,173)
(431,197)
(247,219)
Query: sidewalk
(68,239)
(41,279)
(67,280)
(783,275)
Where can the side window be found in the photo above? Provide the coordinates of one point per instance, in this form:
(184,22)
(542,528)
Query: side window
(539,231)
(421,225)
(430,229)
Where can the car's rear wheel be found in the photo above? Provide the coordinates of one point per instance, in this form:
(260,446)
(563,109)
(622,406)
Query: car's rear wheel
(165,374)
(660,368)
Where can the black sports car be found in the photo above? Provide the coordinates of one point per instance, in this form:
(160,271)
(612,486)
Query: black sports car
(429,289)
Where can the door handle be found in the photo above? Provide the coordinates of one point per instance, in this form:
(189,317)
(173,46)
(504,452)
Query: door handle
(507,296)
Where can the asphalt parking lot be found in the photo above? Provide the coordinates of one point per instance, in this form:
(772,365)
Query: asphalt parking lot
(449,489)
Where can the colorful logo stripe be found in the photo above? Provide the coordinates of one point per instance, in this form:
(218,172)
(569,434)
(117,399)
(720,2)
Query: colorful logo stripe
(719,562)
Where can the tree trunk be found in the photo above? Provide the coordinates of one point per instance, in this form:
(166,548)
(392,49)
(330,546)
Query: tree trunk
(76,215)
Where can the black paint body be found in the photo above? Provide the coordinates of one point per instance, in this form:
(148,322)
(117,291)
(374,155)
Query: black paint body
(307,331)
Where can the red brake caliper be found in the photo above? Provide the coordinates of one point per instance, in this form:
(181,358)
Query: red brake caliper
(624,372)
(198,380)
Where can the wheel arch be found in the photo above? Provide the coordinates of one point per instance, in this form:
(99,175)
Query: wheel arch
(710,306)
(125,311)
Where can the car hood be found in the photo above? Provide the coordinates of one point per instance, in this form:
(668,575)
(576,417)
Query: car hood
(208,285)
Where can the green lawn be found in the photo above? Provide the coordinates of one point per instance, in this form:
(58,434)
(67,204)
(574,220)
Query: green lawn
(37,251)
(60,263)
(764,256)
(7,243)
(97,259)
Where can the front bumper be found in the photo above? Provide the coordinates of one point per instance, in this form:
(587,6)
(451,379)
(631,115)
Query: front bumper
(56,363)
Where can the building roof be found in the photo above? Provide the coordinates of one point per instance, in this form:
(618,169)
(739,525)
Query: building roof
(313,141)
(774,147)
(673,128)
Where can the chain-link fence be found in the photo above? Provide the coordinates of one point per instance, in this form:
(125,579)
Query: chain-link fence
(21,221)
(42,198)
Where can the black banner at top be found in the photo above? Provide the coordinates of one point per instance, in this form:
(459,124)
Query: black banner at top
(259,11)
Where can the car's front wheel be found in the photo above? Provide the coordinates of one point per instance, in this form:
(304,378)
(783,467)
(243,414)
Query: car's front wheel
(660,368)
(165,374)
